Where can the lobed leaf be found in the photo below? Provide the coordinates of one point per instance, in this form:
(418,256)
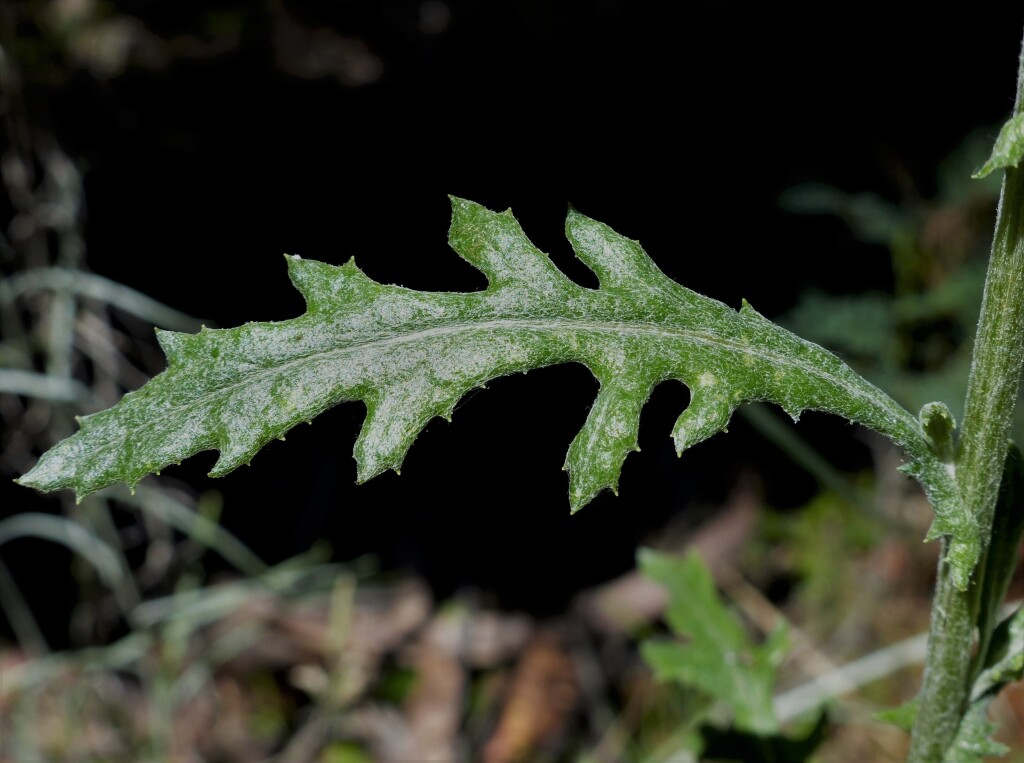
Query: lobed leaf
(410,356)
(718,656)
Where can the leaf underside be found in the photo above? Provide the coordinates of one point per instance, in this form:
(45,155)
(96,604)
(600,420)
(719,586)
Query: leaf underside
(410,356)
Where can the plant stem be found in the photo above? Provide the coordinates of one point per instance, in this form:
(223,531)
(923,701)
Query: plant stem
(991,396)
(947,669)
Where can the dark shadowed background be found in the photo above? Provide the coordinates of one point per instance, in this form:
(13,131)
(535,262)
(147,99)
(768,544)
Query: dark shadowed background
(214,137)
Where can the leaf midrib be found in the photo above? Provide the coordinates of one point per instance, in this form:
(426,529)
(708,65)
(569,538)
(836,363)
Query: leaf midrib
(878,399)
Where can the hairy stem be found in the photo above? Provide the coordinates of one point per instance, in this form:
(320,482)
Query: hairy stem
(991,395)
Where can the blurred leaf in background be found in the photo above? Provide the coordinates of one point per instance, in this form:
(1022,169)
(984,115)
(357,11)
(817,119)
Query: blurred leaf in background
(914,343)
(713,654)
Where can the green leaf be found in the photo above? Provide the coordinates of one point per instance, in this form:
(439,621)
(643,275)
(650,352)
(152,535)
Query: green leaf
(869,216)
(344,752)
(718,656)
(973,742)
(1005,662)
(410,356)
(901,716)
(1000,561)
(1008,150)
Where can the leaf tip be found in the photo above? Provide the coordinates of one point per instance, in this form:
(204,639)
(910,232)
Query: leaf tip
(172,343)
(704,417)
(367,468)
(749,311)
(462,207)
(29,480)
(1008,149)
